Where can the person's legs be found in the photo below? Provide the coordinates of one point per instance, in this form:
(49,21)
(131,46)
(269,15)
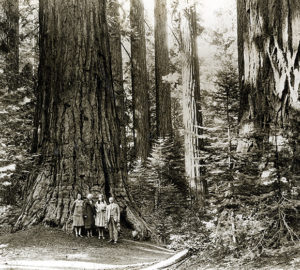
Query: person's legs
(79,231)
(115,231)
(102,232)
(76,231)
(110,229)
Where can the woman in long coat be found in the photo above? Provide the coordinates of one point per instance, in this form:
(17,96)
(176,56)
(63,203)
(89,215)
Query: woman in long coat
(89,212)
(77,209)
(100,220)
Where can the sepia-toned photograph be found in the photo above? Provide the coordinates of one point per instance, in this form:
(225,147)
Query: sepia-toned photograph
(150,134)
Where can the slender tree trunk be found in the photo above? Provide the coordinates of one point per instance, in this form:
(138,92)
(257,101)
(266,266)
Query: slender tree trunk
(270,70)
(241,25)
(139,80)
(192,115)
(78,125)
(117,74)
(163,94)
(10,42)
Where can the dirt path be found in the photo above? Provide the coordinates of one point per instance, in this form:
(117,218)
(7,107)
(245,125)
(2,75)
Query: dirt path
(54,249)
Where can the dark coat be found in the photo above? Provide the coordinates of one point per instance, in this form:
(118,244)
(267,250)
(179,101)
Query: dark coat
(88,214)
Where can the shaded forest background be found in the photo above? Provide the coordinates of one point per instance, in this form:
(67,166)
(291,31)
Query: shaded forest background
(209,153)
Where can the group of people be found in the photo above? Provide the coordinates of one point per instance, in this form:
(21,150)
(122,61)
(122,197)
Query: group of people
(88,214)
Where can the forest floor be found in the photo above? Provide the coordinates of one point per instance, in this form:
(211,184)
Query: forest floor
(50,248)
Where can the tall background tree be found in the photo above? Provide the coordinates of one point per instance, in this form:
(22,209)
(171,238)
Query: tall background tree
(114,29)
(162,67)
(192,113)
(140,89)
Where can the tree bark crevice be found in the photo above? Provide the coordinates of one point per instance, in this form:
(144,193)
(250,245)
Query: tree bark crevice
(268,38)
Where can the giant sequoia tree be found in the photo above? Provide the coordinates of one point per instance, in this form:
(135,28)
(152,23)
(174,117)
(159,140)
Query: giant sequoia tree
(269,60)
(140,95)
(78,139)
(163,94)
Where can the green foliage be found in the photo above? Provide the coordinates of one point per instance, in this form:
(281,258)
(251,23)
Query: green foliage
(227,97)
(159,187)
(17,106)
(16,118)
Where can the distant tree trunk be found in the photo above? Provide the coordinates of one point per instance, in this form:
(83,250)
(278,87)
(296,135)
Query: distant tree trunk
(192,114)
(241,22)
(117,73)
(269,65)
(139,81)
(10,42)
(163,94)
(78,126)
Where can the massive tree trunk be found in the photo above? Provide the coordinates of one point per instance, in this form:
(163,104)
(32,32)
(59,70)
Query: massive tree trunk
(78,125)
(192,114)
(117,73)
(163,94)
(270,70)
(140,95)
(9,41)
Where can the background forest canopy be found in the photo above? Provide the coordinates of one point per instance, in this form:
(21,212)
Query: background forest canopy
(184,111)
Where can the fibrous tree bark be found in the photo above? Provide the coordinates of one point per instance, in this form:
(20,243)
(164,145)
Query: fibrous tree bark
(9,41)
(140,95)
(117,73)
(241,20)
(269,60)
(163,94)
(78,140)
(192,114)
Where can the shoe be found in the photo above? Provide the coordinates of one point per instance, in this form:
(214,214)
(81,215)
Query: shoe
(115,242)
(103,237)
(80,235)
(76,235)
(99,237)
(110,241)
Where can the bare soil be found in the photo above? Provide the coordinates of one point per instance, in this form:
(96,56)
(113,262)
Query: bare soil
(48,244)
(40,244)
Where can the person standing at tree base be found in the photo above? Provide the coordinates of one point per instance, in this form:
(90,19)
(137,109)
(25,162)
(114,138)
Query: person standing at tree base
(100,220)
(89,213)
(77,209)
(113,220)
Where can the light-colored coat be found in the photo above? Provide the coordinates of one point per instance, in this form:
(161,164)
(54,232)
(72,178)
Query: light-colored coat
(100,220)
(113,210)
